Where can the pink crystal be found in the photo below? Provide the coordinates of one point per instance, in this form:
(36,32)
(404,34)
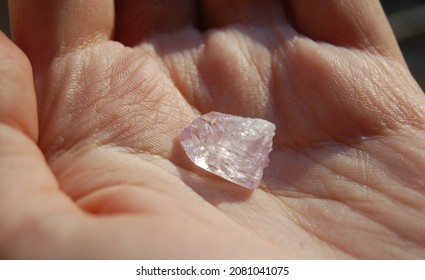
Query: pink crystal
(232,147)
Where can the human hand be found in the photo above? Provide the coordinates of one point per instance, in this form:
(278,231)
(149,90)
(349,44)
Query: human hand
(346,173)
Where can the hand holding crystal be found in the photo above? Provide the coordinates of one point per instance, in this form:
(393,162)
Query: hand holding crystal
(91,165)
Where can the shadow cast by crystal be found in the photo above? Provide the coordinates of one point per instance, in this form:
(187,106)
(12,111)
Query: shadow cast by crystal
(212,188)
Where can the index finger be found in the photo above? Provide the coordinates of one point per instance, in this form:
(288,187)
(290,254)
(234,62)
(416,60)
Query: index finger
(42,29)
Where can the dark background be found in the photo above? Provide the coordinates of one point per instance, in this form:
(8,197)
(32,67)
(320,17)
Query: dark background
(407,17)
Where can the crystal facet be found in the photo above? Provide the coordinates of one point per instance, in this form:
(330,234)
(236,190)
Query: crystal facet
(232,147)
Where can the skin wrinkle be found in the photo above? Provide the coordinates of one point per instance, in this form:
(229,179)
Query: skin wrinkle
(295,220)
(183,92)
(327,243)
(368,83)
(382,160)
(47,121)
(284,126)
(161,199)
(130,151)
(364,183)
(290,84)
(174,73)
(222,89)
(102,105)
(337,174)
(380,232)
(245,61)
(390,173)
(86,196)
(80,153)
(242,59)
(355,209)
(358,210)
(366,215)
(338,99)
(202,88)
(372,87)
(264,104)
(266,237)
(272,85)
(63,60)
(377,81)
(144,206)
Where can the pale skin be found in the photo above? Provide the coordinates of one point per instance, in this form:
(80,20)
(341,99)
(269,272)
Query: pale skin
(91,110)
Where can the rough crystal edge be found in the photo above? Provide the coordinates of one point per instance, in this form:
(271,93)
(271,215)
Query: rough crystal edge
(207,117)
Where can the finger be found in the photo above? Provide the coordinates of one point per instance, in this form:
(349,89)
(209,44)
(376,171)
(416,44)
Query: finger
(28,190)
(45,28)
(218,13)
(358,24)
(18,105)
(136,19)
(33,211)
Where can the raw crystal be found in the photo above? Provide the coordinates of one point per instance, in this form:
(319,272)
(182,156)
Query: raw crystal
(232,147)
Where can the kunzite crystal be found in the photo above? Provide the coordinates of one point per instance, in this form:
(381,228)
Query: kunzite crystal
(232,147)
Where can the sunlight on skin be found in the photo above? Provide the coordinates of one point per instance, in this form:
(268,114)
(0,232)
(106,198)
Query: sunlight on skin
(346,174)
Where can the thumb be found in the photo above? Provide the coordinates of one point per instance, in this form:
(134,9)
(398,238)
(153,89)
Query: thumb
(28,189)
(17,97)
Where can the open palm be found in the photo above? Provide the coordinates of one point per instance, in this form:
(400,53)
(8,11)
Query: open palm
(346,173)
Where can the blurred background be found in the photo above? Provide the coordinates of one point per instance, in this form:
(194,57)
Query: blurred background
(407,17)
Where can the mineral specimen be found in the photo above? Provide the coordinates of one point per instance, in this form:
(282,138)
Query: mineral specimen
(232,147)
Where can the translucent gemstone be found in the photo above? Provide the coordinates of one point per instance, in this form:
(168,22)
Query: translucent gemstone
(232,147)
